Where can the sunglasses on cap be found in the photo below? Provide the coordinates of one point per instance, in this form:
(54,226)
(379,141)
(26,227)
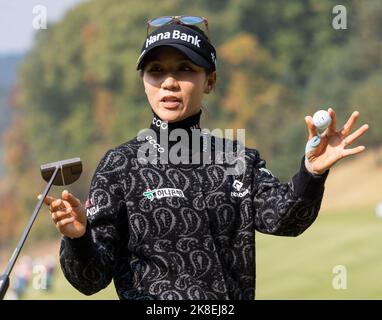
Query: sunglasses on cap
(185,20)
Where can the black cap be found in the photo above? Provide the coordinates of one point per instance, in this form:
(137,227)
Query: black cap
(186,39)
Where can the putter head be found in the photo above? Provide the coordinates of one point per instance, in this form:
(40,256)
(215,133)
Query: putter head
(70,171)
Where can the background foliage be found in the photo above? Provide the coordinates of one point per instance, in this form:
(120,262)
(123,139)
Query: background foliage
(78,93)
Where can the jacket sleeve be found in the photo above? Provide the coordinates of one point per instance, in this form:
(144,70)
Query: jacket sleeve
(286,209)
(88,262)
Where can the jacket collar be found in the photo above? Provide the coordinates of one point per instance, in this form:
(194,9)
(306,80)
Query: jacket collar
(192,122)
(190,128)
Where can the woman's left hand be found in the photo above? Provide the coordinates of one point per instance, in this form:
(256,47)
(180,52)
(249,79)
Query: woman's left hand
(333,143)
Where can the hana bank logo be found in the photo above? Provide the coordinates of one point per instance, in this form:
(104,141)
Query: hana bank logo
(175,35)
(164,192)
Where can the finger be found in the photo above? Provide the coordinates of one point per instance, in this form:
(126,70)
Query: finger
(355,135)
(64,221)
(349,152)
(58,215)
(349,124)
(73,201)
(56,205)
(47,200)
(333,124)
(311,127)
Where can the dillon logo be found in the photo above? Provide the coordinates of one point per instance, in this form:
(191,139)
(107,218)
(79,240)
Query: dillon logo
(164,192)
(176,35)
(238,185)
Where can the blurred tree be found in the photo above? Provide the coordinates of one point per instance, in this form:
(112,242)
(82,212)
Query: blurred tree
(79,94)
(347,77)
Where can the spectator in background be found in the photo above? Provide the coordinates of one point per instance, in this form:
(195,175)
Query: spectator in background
(50,265)
(23,274)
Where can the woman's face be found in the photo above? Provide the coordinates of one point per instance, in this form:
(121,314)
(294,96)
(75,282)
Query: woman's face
(174,85)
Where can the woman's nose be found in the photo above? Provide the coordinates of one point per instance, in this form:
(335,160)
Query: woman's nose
(170,83)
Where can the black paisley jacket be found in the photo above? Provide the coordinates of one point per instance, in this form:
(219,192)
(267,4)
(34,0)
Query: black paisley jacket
(186,230)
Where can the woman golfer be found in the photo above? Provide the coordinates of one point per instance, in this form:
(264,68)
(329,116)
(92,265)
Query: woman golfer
(168,216)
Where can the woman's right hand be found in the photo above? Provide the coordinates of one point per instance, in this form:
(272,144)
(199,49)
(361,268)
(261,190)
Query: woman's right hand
(68,214)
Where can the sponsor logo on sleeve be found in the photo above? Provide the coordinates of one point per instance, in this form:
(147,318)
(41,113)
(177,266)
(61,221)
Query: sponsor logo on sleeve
(240,192)
(91,207)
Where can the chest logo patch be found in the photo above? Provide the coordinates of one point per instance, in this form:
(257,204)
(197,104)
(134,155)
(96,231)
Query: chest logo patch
(161,193)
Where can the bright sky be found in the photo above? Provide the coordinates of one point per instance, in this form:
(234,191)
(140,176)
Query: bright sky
(16,17)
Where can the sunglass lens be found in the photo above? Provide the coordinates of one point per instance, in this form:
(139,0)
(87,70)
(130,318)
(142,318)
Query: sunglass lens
(157,22)
(191,19)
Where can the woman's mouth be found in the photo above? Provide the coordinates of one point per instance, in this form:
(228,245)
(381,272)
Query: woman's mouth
(170,102)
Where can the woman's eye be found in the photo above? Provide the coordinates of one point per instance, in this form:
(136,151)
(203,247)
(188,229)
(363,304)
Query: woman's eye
(185,68)
(155,69)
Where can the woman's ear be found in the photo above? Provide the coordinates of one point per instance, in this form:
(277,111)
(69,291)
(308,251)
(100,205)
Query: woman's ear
(211,81)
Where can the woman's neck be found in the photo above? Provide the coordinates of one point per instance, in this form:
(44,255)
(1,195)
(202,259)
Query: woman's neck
(189,123)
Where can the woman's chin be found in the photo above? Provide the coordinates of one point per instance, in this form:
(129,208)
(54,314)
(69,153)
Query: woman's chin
(170,115)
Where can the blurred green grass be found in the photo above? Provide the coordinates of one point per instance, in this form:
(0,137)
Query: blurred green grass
(62,290)
(298,268)
(302,267)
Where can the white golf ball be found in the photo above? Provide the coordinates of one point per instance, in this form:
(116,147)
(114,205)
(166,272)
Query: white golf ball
(322,119)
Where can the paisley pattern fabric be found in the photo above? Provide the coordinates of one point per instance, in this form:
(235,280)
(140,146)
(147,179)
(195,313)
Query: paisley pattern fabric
(197,244)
